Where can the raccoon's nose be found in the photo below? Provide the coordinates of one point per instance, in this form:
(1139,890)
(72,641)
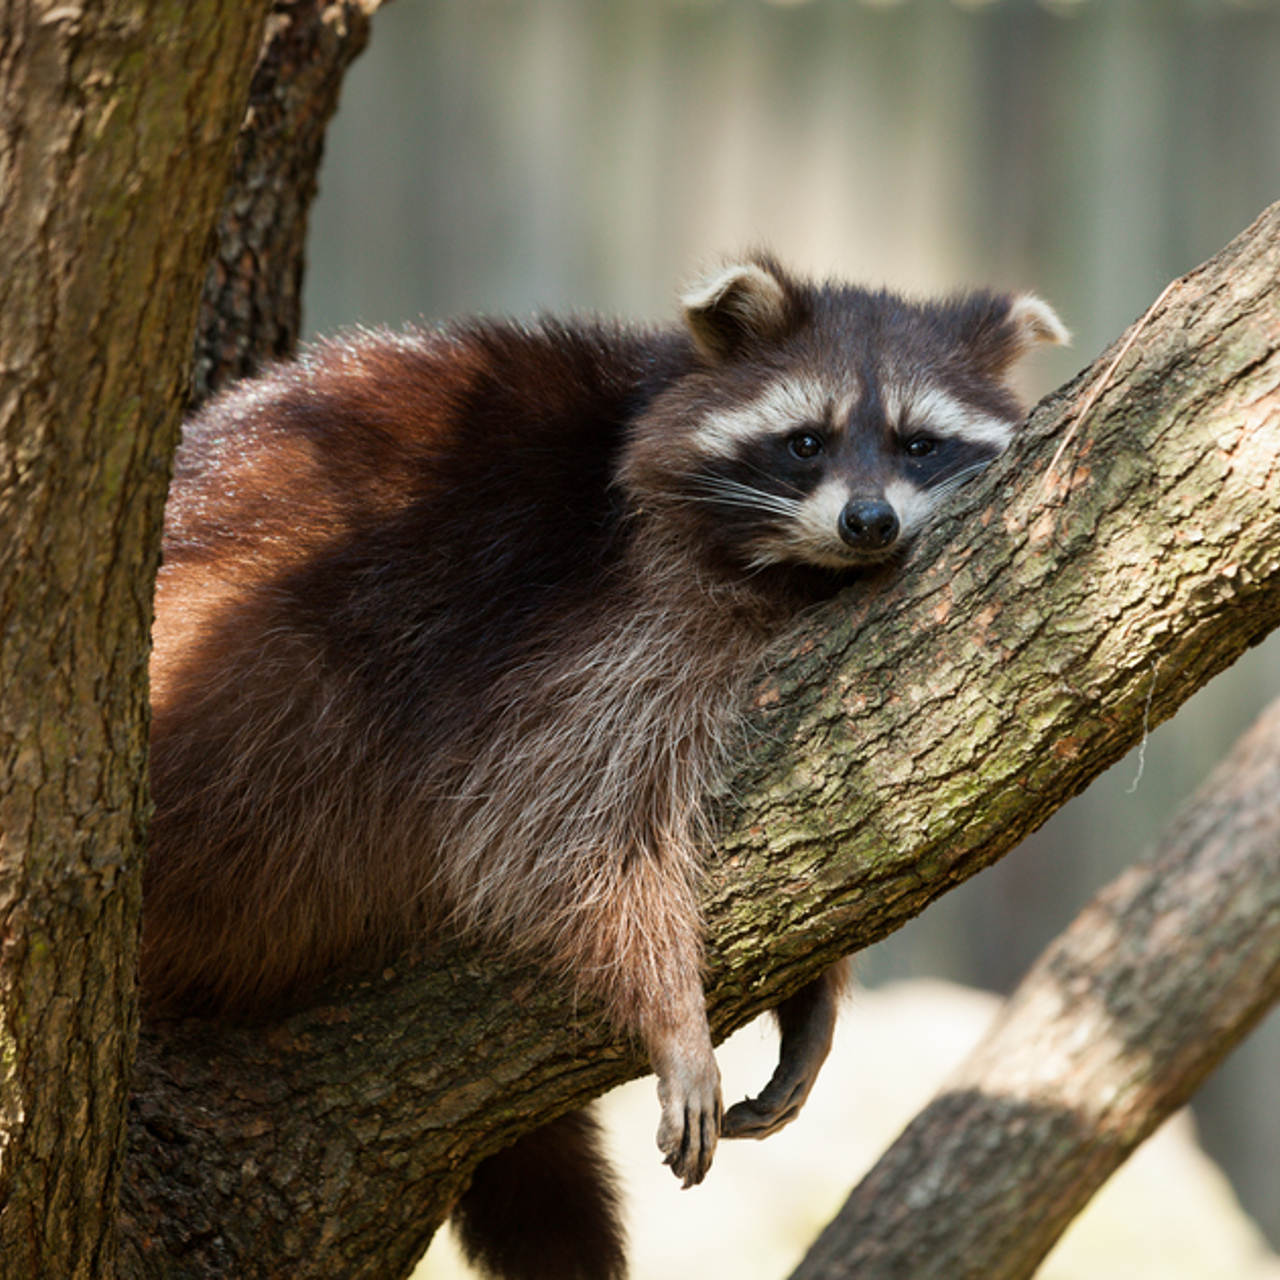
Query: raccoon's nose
(869,524)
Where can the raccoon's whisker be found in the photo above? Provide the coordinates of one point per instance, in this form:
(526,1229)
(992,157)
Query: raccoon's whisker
(775,479)
(945,488)
(734,493)
(759,562)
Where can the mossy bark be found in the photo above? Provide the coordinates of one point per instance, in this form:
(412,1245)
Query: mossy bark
(915,732)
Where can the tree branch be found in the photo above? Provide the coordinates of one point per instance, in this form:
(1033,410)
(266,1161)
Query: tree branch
(1113,1029)
(913,732)
(251,311)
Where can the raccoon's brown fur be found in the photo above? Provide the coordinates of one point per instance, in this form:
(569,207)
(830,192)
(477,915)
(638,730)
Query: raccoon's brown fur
(453,628)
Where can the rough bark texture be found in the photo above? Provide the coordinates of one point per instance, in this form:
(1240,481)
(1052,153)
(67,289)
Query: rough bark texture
(1113,1029)
(915,730)
(111,179)
(251,311)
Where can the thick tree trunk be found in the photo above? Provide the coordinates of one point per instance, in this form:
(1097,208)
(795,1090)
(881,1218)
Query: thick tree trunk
(914,731)
(111,179)
(1114,1028)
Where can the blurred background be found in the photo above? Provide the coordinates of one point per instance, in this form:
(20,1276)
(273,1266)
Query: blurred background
(511,156)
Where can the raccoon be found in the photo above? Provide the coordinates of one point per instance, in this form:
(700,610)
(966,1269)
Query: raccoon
(453,632)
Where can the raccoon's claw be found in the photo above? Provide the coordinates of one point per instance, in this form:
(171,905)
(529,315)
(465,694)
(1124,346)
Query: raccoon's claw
(691,1116)
(689,1142)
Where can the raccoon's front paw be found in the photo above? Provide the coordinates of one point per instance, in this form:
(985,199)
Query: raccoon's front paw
(689,1091)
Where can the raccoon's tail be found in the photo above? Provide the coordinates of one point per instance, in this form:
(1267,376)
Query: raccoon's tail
(546,1208)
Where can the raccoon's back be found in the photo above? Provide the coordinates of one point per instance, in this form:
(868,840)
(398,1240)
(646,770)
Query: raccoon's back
(357,547)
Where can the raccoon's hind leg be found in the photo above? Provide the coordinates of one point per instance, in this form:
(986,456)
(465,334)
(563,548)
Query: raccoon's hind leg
(546,1208)
(807,1022)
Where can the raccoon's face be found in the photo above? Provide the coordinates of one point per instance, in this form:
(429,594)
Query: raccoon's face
(825,425)
(838,477)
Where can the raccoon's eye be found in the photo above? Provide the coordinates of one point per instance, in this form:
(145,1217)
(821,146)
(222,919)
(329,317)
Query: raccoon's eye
(919,447)
(805,444)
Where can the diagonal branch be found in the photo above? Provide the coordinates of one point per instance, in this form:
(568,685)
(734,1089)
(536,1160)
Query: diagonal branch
(251,309)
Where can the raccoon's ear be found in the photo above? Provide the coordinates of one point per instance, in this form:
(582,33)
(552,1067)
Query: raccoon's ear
(1000,329)
(1036,323)
(739,304)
